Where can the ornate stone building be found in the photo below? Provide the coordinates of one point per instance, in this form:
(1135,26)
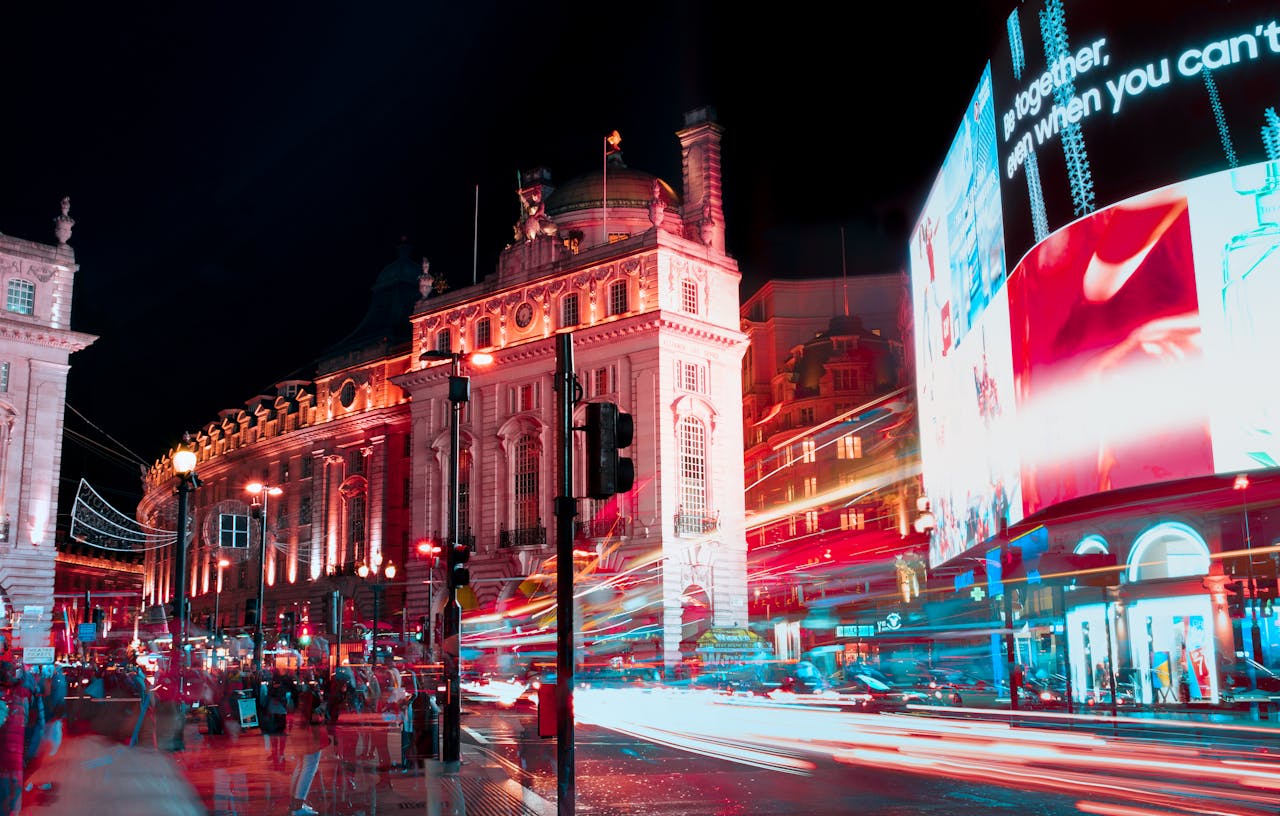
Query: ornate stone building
(36,342)
(637,272)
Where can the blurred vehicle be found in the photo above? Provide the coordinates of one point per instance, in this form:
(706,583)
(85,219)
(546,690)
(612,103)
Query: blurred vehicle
(1237,688)
(865,692)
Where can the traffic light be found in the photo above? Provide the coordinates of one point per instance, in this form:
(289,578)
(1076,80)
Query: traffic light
(304,635)
(1235,598)
(430,550)
(288,626)
(1265,596)
(608,429)
(459,555)
(420,634)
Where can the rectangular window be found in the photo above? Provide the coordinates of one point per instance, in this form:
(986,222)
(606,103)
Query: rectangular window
(407,494)
(21,297)
(805,416)
(689,296)
(849,447)
(600,384)
(811,521)
(483,337)
(284,471)
(524,398)
(810,487)
(844,379)
(305,466)
(852,520)
(4,377)
(808,451)
(691,377)
(444,340)
(233,530)
(569,310)
(618,297)
(304,510)
(355,461)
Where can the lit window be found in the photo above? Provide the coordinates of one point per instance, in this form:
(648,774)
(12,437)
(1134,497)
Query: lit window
(689,296)
(444,340)
(526,483)
(852,520)
(569,310)
(808,451)
(483,337)
(692,438)
(811,521)
(355,527)
(21,297)
(849,447)
(810,487)
(464,492)
(791,527)
(617,297)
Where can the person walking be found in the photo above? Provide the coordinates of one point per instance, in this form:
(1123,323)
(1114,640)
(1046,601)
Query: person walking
(16,697)
(310,741)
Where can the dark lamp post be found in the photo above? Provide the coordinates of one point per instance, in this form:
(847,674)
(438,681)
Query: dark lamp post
(459,392)
(378,586)
(184,467)
(258,489)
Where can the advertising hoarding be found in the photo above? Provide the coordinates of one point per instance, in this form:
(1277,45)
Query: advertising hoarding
(1093,268)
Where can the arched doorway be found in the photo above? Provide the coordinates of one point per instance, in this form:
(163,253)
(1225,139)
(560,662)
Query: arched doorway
(695,618)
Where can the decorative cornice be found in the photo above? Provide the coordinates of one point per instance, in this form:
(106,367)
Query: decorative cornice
(63,339)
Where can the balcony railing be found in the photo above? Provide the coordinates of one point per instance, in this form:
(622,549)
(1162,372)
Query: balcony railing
(696,523)
(523,536)
(619,527)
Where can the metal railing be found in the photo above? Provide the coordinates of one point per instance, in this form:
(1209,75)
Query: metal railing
(523,537)
(619,527)
(696,523)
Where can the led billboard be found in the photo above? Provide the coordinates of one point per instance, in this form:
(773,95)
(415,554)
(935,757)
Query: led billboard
(1093,267)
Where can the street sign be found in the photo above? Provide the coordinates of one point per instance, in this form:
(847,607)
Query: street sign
(87,632)
(37,655)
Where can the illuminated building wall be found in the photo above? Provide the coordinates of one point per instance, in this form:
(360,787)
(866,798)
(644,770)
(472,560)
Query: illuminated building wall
(36,341)
(652,301)
(831,471)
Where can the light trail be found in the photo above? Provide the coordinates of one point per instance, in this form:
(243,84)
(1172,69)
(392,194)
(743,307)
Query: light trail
(1118,775)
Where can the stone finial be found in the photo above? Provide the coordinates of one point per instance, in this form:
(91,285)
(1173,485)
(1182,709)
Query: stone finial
(62,224)
(657,206)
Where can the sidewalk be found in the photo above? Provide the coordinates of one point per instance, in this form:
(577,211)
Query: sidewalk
(234,774)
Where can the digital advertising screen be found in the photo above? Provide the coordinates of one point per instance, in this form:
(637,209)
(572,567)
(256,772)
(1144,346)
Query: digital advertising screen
(1093,268)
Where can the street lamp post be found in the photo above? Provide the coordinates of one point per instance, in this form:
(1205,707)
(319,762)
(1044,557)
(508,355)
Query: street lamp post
(378,586)
(258,489)
(1255,633)
(431,551)
(459,392)
(184,467)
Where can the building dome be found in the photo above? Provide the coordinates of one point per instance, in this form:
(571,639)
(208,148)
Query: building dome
(627,188)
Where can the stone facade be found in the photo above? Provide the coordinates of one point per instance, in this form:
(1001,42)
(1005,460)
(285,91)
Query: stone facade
(36,341)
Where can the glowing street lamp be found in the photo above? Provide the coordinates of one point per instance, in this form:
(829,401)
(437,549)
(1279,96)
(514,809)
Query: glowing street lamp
(184,467)
(377,573)
(258,489)
(459,392)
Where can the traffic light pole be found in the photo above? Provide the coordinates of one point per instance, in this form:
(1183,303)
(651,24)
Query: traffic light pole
(451,748)
(566,509)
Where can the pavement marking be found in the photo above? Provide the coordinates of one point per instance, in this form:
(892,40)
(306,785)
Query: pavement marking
(476,735)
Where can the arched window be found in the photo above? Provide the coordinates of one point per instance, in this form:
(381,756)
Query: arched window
(526,483)
(692,437)
(464,492)
(21,297)
(355,528)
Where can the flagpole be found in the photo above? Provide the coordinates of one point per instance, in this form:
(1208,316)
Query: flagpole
(475,237)
(844,272)
(604,188)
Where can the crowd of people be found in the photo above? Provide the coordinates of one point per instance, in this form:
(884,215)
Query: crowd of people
(301,705)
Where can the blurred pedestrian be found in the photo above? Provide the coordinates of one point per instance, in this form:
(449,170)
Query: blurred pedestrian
(309,742)
(16,696)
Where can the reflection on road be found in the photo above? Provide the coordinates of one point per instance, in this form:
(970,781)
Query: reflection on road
(1113,776)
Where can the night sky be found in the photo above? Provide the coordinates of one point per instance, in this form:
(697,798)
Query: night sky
(239,173)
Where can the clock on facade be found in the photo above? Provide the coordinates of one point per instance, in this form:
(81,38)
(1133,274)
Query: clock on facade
(524,315)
